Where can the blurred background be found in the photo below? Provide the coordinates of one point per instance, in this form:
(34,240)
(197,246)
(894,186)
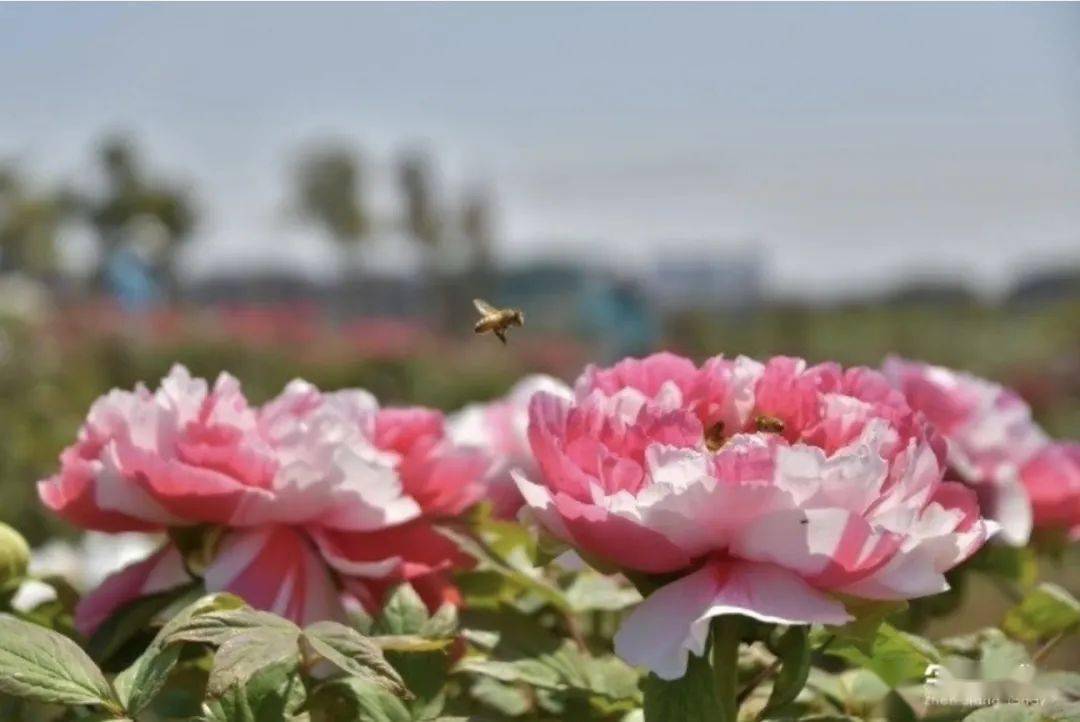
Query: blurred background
(320,191)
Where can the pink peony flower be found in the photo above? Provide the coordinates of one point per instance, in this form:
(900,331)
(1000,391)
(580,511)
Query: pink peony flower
(500,427)
(313,492)
(991,440)
(1052,480)
(764,488)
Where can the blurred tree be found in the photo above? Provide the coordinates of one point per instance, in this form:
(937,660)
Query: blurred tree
(329,192)
(422,218)
(136,210)
(29,223)
(476,225)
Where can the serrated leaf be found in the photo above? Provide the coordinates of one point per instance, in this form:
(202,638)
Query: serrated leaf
(43,665)
(1044,612)
(246,653)
(793,649)
(217,627)
(403,613)
(137,685)
(351,652)
(443,623)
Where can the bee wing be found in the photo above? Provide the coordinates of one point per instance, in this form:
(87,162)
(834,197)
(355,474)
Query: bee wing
(484,307)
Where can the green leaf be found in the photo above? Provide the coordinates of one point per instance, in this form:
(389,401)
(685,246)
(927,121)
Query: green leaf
(410,643)
(443,623)
(403,613)
(869,615)
(509,550)
(793,649)
(591,591)
(897,657)
(351,652)
(525,671)
(692,698)
(508,699)
(356,700)
(138,684)
(271,694)
(519,651)
(243,655)
(14,554)
(1001,658)
(43,665)
(217,627)
(1044,612)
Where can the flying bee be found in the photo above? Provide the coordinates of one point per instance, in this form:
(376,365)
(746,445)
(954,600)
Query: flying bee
(769,424)
(497,320)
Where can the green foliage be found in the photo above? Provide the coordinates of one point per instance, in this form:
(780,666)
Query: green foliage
(516,651)
(894,656)
(40,664)
(693,698)
(1045,611)
(356,700)
(14,555)
(351,653)
(793,650)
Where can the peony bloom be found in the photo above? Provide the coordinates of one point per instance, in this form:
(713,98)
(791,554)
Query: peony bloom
(320,498)
(1020,476)
(763,489)
(500,428)
(1052,480)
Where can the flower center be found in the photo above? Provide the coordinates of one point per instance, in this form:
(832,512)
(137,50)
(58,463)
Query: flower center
(769,424)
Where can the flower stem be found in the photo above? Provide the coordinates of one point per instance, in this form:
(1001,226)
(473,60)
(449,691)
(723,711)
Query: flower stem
(726,632)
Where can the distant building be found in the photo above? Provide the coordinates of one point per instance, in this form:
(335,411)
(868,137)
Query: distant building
(703,279)
(610,312)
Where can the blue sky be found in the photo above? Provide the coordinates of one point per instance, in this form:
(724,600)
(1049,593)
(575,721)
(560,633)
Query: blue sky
(854,145)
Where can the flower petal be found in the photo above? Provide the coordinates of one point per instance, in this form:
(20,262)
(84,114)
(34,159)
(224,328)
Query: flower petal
(160,572)
(673,621)
(276,569)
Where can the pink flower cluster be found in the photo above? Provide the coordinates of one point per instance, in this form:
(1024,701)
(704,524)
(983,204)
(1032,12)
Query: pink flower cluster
(769,489)
(322,499)
(501,427)
(762,489)
(1022,477)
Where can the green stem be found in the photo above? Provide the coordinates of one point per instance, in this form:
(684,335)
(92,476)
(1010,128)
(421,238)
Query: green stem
(726,633)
